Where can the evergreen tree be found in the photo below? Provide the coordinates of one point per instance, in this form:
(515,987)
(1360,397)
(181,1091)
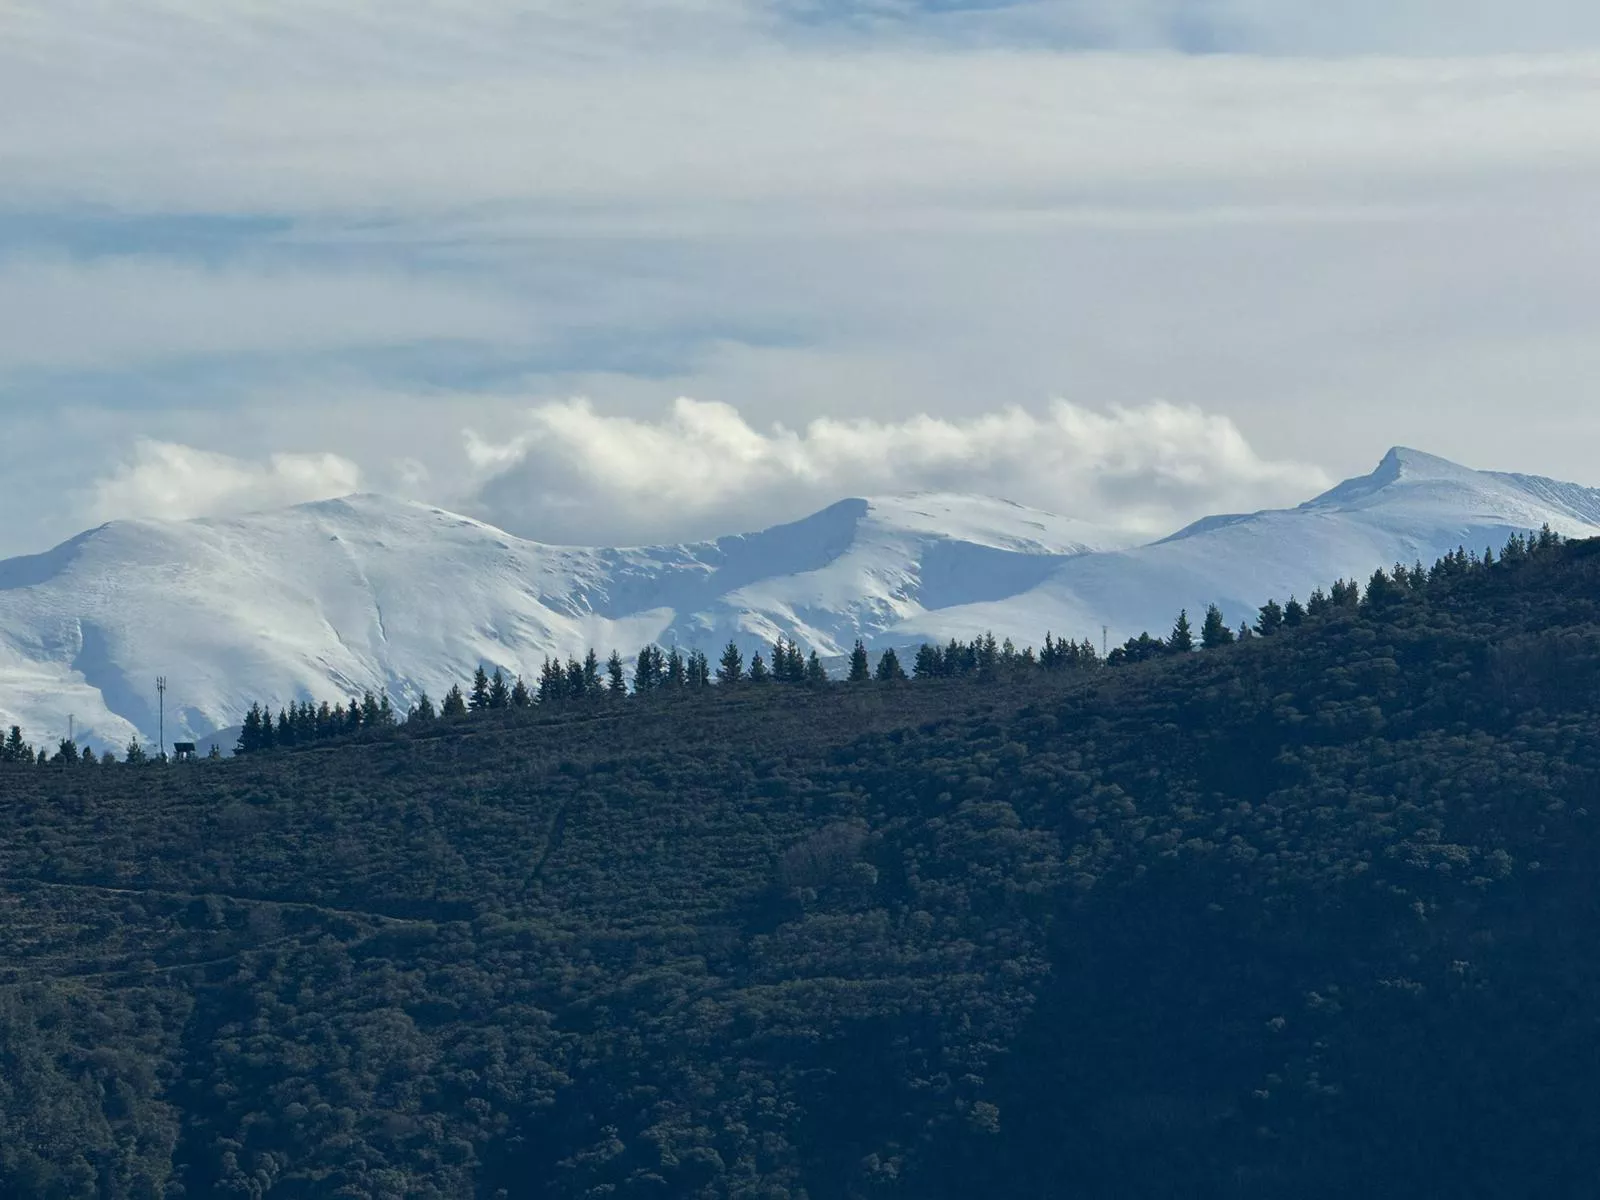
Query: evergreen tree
(928,663)
(985,655)
(250,732)
(699,670)
(1245,632)
(889,668)
(422,711)
(521,697)
(730,667)
(285,729)
(67,752)
(648,669)
(591,673)
(617,681)
(385,712)
(15,749)
(758,669)
(135,755)
(499,693)
(1294,613)
(480,691)
(676,675)
(1010,660)
(577,687)
(860,668)
(1271,619)
(1214,630)
(1182,639)
(815,672)
(455,704)
(371,711)
(552,683)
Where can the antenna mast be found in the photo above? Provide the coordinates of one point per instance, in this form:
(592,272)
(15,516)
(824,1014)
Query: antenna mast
(161,691)
(1105,641)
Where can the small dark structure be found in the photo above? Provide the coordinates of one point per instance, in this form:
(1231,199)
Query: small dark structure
(183,752)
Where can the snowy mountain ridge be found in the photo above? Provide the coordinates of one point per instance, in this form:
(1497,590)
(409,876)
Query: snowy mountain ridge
(333,598)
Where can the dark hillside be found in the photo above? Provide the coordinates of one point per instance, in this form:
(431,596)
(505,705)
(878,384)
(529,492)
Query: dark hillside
(1313,915)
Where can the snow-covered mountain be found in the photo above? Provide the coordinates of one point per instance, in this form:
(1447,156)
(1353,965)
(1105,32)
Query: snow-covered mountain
(329,599)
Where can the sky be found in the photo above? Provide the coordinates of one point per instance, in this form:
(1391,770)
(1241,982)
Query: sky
(632,272)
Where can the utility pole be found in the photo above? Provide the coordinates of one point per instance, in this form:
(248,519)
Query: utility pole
(161,691)
(72,735)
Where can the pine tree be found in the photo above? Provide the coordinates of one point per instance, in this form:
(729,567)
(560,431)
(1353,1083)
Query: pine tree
(499,693)
(1271,619)
(552,683)
(371,711)
(1182,639)
(250,732)
(860,668)
(648,669)
(928,662)
(1293,613)
(285,729)
(455,704)
(15,749)
(676,675)
(577,687)
(591,673)
(889,668)
(617,683)
(135,755)
(699,669)
(758,669)
(816,673)
(480,691)
(730,667)
(521,697)
(67,752)
(1214,631)
(422,711)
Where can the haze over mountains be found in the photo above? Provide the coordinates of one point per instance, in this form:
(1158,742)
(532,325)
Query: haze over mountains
(329,599)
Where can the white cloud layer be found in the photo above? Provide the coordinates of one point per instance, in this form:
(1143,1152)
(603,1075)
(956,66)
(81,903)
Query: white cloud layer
(574,474)
(167,481)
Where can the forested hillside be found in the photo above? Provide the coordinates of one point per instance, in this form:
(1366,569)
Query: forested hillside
(1310,915)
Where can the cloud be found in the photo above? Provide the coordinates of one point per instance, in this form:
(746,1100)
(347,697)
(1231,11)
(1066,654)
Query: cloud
(696,115)
(134,310)
(167,481)
(575,474)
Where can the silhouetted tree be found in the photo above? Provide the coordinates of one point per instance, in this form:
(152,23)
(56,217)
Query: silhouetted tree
(1270,620)
(455,704)
(1214,630)
(499,693)
(480,691)
(860,668)
(730,667)
(889,668)
(617,683)
(758,669)
(1182,639)
(422,711)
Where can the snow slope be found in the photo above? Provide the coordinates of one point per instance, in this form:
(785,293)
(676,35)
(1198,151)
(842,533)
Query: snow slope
(329,599)
(333,598)
(1414,507)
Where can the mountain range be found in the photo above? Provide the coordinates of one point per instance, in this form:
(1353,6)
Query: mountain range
(330,599)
